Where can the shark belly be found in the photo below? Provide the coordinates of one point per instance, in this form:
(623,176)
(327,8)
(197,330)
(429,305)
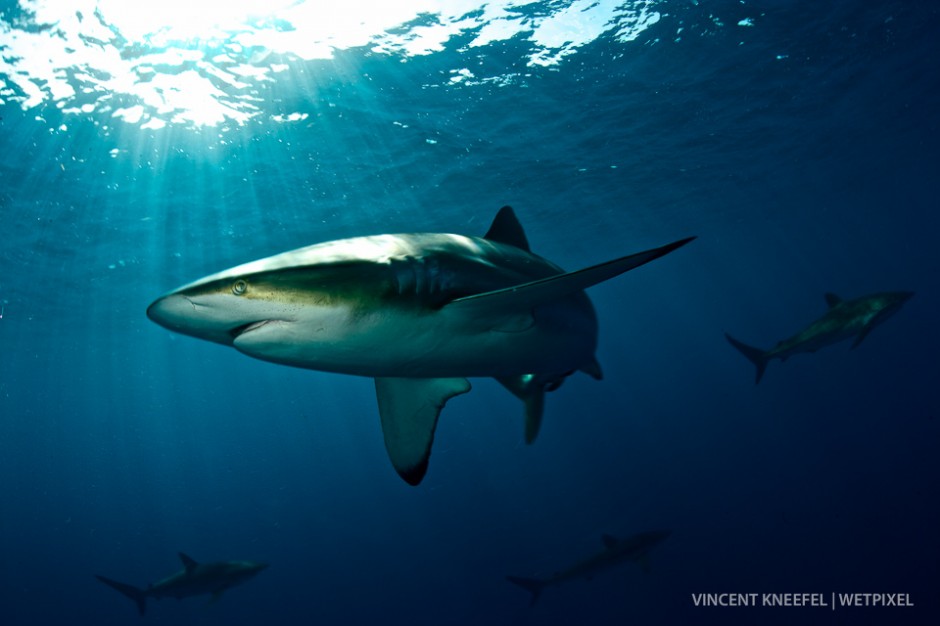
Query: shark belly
(814,338)
(405,343)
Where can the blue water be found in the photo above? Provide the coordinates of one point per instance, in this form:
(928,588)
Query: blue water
(802,150)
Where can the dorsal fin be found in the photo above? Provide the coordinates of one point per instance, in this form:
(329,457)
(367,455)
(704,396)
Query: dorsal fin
(832,300)
(188,562)
(507,229)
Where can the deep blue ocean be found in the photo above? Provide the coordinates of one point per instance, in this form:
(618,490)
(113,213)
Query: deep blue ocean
(799,141)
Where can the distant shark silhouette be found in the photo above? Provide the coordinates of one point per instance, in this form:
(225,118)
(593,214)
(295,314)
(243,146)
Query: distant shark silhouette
(419,313)
(195,579)
(616,551)
(844,319)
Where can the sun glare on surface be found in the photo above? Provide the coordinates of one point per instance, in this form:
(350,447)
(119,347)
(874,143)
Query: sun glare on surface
(178,21)
(199,63)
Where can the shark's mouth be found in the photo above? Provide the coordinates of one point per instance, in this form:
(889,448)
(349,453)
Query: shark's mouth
(238,331)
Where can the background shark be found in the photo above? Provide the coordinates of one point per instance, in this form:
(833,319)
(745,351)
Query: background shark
(195,579)
(419,313)
(844,319)
(634,548)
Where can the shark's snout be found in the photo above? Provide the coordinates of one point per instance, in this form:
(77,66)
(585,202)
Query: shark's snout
(189,316)
(895,300)
(166,311)
(659,535)
(250,569)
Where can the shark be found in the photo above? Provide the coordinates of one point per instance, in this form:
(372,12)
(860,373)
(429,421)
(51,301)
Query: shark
(843,320)
(193,580)
(419,313)
(616,551)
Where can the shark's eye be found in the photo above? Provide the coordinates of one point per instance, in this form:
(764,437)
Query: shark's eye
(239,287)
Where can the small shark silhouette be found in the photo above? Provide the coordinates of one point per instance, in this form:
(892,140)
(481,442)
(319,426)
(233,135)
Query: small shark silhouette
(195,579)
(844,319)
(634,548)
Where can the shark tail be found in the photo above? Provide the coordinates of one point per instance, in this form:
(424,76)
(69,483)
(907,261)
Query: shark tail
(755,355)
(139,596)
(532,585)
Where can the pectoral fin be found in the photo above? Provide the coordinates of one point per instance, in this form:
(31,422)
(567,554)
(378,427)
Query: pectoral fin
(409,408)
(529,295)
(861,336)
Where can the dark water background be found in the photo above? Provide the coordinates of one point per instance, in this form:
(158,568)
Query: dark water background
(121,444)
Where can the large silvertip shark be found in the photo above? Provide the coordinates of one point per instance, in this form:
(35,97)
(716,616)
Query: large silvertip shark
(419,313)
(843,319)
(616,551)
(195,579)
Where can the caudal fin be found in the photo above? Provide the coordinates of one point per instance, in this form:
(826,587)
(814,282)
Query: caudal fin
(532,585)
(755,355)
(135,594)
